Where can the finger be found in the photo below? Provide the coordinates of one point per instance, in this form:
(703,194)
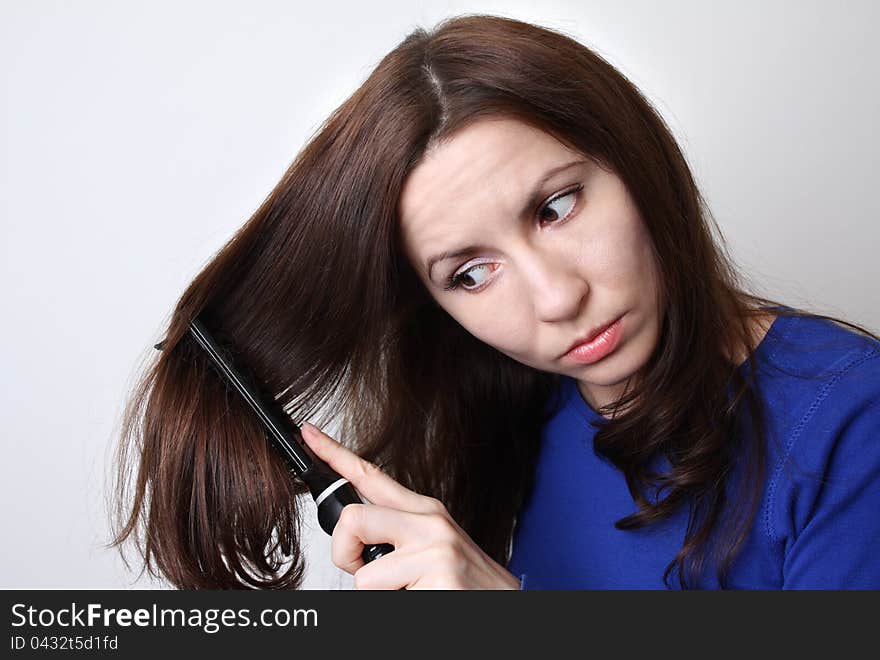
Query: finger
(369,524)
(423,568)
(398,570)
(366,477)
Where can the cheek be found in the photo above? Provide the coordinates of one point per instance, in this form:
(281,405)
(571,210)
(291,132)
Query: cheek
(644,261)
(624,257)
(500,321)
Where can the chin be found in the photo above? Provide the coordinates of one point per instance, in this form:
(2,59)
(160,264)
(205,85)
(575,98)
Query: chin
(613,369)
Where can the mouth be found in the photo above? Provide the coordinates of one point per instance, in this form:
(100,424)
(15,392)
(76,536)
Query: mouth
(592,334)
(595,344)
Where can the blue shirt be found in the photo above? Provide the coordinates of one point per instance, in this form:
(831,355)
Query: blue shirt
(818,523)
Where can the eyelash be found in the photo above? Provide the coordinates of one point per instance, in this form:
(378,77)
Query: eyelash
(454,280)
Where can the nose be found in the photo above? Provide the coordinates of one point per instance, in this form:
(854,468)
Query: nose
(558,290)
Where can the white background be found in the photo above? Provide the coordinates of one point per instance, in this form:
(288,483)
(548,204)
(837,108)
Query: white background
(138,136)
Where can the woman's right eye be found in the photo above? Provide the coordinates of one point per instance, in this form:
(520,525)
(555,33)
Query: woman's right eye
(459,278)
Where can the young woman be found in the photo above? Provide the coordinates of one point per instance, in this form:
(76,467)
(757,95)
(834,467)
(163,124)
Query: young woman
(493,266)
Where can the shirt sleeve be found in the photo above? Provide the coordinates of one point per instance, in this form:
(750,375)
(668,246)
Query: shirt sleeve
(837,542)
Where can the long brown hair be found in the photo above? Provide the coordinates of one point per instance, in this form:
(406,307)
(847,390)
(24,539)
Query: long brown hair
(316,295)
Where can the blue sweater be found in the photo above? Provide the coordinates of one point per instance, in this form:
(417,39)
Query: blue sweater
(818,523)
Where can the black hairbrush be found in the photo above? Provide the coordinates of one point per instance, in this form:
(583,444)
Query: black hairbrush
(330,491)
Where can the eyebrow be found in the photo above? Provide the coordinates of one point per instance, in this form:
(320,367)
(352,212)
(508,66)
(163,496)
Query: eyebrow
(531,203)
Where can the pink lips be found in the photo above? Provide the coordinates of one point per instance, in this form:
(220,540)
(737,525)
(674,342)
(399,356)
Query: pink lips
(597,348)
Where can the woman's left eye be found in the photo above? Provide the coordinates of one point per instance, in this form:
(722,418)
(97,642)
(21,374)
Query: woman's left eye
(559,207)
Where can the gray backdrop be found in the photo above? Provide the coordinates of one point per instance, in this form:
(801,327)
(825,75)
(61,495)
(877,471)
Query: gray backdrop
(137,137)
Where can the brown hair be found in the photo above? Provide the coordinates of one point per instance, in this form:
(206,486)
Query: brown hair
(317,297)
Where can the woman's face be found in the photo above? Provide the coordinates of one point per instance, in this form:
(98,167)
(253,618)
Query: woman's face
(539,261)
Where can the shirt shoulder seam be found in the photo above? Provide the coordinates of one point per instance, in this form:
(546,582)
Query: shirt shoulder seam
(797,432)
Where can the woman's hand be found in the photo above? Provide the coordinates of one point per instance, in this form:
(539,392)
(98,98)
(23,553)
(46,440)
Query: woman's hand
(430,550)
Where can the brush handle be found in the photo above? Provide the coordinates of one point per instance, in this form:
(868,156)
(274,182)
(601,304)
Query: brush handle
(333,493)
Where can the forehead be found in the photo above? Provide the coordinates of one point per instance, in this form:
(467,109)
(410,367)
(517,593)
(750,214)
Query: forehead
(467,183)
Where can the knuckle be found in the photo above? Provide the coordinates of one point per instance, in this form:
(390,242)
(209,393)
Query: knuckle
(345,537)
(337,554)
(435,506)
(441,527)
(365,470)
(447,557)
(349,518)
(361,580)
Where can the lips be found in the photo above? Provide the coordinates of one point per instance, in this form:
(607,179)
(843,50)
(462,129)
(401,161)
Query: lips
(595,332)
